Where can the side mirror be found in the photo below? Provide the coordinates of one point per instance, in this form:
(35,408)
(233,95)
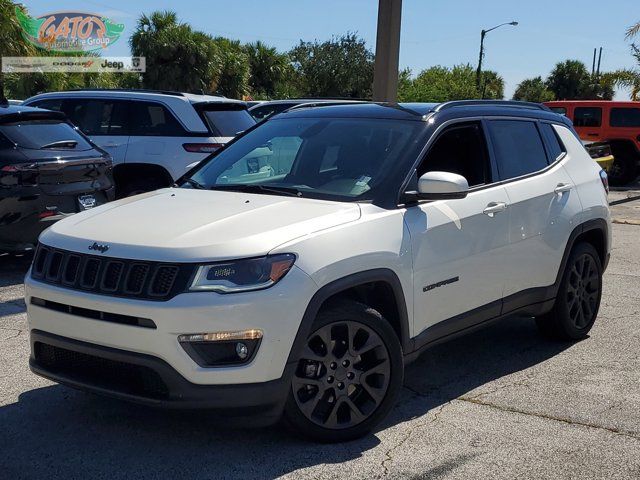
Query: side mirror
(442,185)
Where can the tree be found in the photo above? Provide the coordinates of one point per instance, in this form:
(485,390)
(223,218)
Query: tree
(231,63)
(340,67)
(492,85)
(533,90)
(441,84)
(12,43)
(177,58)
(630,77)
(267,68)
(570,80)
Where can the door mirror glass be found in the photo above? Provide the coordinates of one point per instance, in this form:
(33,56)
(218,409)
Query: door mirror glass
(442,185)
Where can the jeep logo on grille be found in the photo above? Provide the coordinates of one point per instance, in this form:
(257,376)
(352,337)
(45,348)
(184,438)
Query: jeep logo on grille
(99,248)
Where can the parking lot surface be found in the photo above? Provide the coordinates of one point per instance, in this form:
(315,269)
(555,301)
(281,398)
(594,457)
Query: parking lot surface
(499,403)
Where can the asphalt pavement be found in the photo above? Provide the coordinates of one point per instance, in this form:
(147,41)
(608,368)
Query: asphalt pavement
(500,403)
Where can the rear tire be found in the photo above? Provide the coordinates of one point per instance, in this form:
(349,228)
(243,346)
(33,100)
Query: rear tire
(624,169)
(348,376)
(578,299)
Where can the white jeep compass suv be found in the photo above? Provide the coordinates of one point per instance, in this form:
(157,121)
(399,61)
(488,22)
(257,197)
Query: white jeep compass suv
(298,270)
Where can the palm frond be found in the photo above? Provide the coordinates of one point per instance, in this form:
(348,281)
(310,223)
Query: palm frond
(633,30)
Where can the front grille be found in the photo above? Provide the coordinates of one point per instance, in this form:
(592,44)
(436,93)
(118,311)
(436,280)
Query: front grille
(110,276)
(100,372)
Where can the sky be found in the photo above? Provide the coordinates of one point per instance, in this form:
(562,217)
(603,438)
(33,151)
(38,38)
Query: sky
(434,32)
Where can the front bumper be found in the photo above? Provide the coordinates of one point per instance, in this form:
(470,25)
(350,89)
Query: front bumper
(277,311)
(147,380)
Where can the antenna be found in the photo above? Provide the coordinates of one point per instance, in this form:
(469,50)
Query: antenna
(599,59)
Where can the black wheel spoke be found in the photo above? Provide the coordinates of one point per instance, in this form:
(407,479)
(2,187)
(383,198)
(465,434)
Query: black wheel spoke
(583,291)
(343,387)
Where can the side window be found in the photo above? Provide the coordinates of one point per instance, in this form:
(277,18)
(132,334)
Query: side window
(558,110)
(518,147)
(555,148)
(153,119)
(49,104)
(460,149)
(587,117)
(91,116)
(625,117)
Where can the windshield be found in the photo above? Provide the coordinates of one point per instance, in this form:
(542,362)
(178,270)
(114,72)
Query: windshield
(50,134)
(332,158)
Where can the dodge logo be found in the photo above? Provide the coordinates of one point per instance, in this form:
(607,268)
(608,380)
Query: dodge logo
(99,248)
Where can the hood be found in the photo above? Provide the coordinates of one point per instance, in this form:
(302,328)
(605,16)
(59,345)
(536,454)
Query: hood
(176,225)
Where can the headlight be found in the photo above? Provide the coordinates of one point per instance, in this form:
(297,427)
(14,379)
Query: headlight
(242,275)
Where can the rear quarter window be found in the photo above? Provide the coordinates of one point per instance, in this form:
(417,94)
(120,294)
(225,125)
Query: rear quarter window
(518,147)
(555,148)
(624,117)
(227,122)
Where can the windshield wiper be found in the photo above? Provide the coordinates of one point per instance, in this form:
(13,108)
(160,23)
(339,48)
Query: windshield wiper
(60,144)
(195,184)
(257,188)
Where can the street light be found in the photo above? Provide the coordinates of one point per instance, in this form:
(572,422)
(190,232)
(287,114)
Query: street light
(482,35)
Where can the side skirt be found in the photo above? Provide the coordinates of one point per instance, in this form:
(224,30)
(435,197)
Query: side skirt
(532,302)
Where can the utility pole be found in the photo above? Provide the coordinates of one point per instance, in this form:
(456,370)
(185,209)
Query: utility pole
(385,74)
(483,34)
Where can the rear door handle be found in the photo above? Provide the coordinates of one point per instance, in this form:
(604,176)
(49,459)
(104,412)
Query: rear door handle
(494,207)
(562,187)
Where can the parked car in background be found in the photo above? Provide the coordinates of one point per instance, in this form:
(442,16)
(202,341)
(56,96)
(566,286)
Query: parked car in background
(601,153)
(153,136)
(615,123)
(326,266)
(265,109)
(48,171)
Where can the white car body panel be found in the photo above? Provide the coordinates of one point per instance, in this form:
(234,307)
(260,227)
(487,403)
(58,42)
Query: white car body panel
(455,239)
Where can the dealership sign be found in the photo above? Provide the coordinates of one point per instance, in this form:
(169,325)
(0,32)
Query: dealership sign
(69,31)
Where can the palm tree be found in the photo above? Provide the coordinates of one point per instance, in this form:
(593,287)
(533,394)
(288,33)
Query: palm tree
(12,43)
(177,57)
(630,77)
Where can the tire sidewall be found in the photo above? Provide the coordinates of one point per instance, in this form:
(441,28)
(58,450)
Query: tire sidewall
(562,308)
(352,311)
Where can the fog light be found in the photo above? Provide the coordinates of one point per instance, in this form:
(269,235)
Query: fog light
(216,349)
(242,350)
(252,334)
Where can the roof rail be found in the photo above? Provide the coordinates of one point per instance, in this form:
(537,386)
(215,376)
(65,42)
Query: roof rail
(134,90)
(324,104)
(489,103)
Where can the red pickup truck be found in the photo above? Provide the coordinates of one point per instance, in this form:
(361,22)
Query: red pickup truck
(616,123)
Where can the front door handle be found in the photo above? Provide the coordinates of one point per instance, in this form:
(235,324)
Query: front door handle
(494,207)
(562,188)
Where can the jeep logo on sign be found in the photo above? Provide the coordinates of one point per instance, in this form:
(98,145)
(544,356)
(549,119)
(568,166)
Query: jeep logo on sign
(99,248)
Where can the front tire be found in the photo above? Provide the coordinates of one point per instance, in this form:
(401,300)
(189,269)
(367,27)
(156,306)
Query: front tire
(348,375)
(578,299)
